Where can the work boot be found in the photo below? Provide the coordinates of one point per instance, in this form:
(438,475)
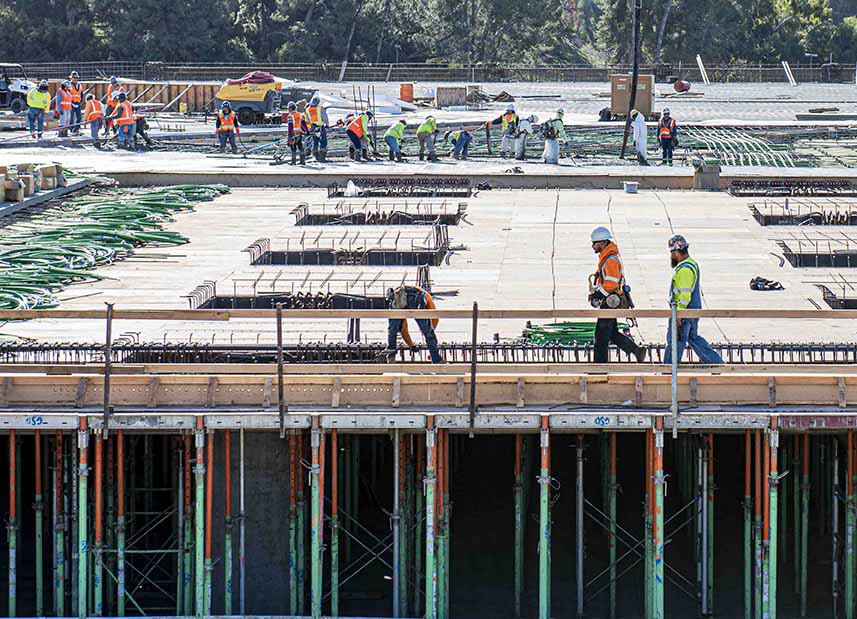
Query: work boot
(315,154)
(399,157)
(356,155)
(303,158)
(366,155)
(322,155)
(391,156)
(640,353)
(234,150)
(221,149)
(432,157)
(294,157)
(421,157)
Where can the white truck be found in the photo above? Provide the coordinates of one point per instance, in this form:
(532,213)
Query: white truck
(14,86)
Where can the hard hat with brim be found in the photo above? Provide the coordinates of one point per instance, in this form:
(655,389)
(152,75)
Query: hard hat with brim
(600,234)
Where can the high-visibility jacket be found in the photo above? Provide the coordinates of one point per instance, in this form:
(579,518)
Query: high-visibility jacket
(428,126)
(359,125)
(315,115)
(112,93)
(609,277)
(666,128)
(430,304)
(63,100)
(559,128)
(509,118)
(126,113)
(40,99)
(227,122)
(94,110)
(76,91)
(296,121)
(397,130)
(684,290)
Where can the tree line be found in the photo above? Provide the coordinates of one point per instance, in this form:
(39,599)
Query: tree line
(456,31)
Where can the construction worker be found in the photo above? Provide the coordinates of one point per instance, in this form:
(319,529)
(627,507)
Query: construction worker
(667,136)
(315,116)
(394,136)
(227,127)
(685,293)
(640,137)
(38,102)
(460,141)
(553,131)
(426,133)
(509,126)
(357,129)
(297,129)
(62,111)
(123,115)
(525,128)
(93,113)
(608,291)
(411,298)
(76,90)
(112,101)
(141,129)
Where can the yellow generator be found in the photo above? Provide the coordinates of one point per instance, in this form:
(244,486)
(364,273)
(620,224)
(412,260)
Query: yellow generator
(254,97)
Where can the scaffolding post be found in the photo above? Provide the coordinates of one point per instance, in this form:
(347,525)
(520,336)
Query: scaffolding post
(59,528)
(334,523)
(38,508)
(834,528)
(199,518)
(710,524)
(796,482)
(209,520)
(315,521)
(120,525)
(766,530)
(242,554)
(447,523)
(300,555)
(293,563)
(396,520)
(647,529)
(419,530)
(12,526)
(757,526)
(187,551)
(772,537)
(518,494)
(705,517)
(411,527)
(611,502)
(99,541)
(804,526)
(748,528)
(82,539)
(440,496)
(227,542)
(544,523)
(579,524)
(430,481)
(849,529)
(659,520)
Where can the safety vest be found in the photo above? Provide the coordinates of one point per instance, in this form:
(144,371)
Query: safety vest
(313,114)
(295,117)
(614,278)
(509,118)
(126,113)
(666,127)
(94,110)
(396,131)
(113,92)
(454,135)
(227,121)
(355,125)
(64,97)
(685,285)
(429,126)
(39,99)
(76,91)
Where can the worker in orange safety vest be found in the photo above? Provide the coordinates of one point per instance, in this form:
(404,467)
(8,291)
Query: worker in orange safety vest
(297,128)
(227,127)
(667,136)
(76,90)
(113,91)
(123,115)
(93,113)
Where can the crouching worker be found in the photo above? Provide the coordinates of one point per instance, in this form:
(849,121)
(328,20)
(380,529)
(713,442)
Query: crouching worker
(141,131)
(410,298)
(460,141)
(93,113)
(394,137)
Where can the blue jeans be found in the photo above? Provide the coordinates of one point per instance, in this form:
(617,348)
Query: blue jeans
(76,117)
(36,119)
(395,326)
(319,137)
(689,336)
(126,135)
(227,136)
(462,145)
(393,143)
(94,128)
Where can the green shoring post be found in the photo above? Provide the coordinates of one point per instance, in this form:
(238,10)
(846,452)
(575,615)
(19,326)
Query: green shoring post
(518,494)
(404,525)
(82,540)
(658,603)
(188,557)
(315,521)
(419,529)
(441,524)
(227,525)
(544,523)
(766,527)
(335,459)
(849,529)
(300,552)
(199,518)
(209,532)
(38,507)
(12,526)
(772,550)
(648,561)
(783,512)
(410,528)
(430,481)
(120,523)
(98,548)
(59,528)
(757,527)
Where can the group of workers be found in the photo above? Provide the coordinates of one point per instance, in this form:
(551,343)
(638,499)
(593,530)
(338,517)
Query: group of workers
(608,289)
(74,110)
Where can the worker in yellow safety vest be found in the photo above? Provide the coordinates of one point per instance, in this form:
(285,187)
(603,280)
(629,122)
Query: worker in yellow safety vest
(509,126)
(38,103)
(426,133)
(394,137)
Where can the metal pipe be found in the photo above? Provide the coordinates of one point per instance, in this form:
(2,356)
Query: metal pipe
(99,530)
(227,542)
(405,498)
(804,527)
(710,524)
(293,564)
(209,514)
(834,528)
(612,529)
(518,494)
(748,529)
(579,524)
(703,529)
(300,559)
(647,529)
(544,523)
(82,539)
(315,521)
(849,529)
(59,528)
(772,537)
(447,522)
(180,517)
(334,523)
(418,529)
(12,526)
(674,364)
(397,455)
(38,507)
(199,520)
(430,481)
(120,526)
(659,519)
(187,551)
(241,532)
(757,525)
(766,531)
(441,522)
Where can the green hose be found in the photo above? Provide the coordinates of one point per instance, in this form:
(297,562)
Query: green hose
(564,333)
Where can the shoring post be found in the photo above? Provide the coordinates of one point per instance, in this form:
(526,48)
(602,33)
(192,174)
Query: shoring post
(647,528)
(766,530)
(411,527)
(757,526)
(293,563)
(180,516)
(579,524)
(82,539)
(772,536)
(110,528)
(804,526)
(613,487)
(710,524)
(242,554)
(404,525)
(447,523)
(396,521)
(59,529)
(315,521)
(73,468)
(544,523)
(419,530)
(518,494)
(334,523)
(659,520)
(199,520)
(796,482)
(97,580)
(347,495)
(783,508)
(38,507)
(209,521)
(834,528)
(187,550)
(705,521)
(227,542)
(430,481)
(440,496)
(12,526)
(300,554)
(849,529)
(120,526)
(748,527)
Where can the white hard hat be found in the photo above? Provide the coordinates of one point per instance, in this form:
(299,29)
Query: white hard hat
(666,110)
(601,234)
(560,112)
(533,118)
(510,107)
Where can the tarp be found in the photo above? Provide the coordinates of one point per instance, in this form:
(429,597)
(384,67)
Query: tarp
(254,77)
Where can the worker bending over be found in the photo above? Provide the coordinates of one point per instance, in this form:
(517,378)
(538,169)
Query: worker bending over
(227,128)
(460,141)
(38,103)
(141,130)
(93,113)
(668,137)
(608,291)
(411,298)
(640,137)
(685,293)
(394,137)
(357,129)
(62,111)
(123,115)
(526,127)
(426,134)
(315,117)
(509,127)
(75,89)
(112,101)
(553,131)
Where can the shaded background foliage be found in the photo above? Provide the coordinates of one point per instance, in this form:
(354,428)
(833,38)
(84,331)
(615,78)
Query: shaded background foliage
(457,31)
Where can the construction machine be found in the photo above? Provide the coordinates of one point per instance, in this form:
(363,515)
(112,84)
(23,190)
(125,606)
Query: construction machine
(14,86)
(255,97)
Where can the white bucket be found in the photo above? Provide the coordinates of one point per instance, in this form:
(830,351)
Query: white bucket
(631,186)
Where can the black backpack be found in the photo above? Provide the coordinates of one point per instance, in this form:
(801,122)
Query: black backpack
(549,131)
